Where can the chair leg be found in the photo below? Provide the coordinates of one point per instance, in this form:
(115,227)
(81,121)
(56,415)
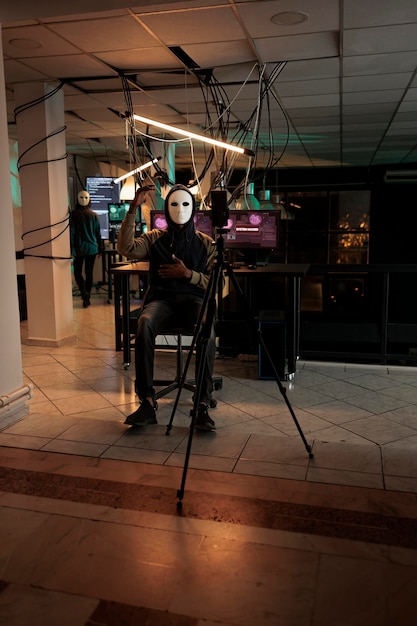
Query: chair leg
(190,384)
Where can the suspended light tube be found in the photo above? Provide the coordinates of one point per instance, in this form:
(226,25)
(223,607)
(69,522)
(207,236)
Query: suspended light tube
(187,133)
(138,169)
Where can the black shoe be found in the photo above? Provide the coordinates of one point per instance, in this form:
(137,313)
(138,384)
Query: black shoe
(143,416)
(212,402)
(204,421)
(86,301)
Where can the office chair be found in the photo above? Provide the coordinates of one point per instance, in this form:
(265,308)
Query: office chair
(169,385)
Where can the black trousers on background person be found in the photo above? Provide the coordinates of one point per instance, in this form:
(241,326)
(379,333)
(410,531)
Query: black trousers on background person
(84,284)
(157,317)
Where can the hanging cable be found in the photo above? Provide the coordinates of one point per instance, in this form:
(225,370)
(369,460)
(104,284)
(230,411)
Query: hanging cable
(56,132)
(29,105)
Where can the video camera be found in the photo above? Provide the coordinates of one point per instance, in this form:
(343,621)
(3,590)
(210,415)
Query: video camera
(219,208)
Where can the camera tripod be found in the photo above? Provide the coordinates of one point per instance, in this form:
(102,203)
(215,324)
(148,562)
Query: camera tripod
(202,334)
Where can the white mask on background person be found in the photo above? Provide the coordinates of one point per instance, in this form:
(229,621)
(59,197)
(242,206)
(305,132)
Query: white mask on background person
(83,198)
(180,206)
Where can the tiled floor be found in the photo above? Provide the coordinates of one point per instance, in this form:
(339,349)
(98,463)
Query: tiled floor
(91,528)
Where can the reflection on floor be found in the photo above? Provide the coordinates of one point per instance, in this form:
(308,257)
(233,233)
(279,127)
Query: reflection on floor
(91,531)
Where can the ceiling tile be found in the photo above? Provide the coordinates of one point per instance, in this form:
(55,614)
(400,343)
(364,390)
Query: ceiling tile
(69,66)
(17,72)
(395,38)
(310,46)
(102,35)
(311,101)
(140,59)
(380,63)
(359,14)
(369,97)
(49,42)
(257,17)
(195,26)
(376,82)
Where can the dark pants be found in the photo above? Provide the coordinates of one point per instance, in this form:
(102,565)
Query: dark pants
(158,317)
(88,261)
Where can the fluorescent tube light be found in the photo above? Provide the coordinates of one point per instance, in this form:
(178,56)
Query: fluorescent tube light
(187,133)
(138,169)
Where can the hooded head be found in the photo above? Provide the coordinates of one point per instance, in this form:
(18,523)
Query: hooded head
(179,207)
(83,198)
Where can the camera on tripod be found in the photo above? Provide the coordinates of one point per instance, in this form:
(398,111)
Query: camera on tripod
(219,208)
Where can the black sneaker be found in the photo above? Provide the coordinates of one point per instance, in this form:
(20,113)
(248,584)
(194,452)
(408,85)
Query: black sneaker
(204,421)
(143,416)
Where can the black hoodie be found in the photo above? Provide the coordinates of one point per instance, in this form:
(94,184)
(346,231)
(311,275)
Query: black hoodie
(195,249)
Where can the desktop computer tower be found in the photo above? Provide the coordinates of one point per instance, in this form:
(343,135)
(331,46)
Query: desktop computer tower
(273,334)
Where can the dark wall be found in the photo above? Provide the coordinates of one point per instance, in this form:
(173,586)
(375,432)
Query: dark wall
(394,224)
(393,210)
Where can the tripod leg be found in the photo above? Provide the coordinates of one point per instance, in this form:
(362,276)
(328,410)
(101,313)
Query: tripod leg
(277,378)
(194,412)
(207,295)
(182,382)
(210,303)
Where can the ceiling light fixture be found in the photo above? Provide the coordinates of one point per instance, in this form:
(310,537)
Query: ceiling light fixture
(138,169)
(187,133)
(289,18)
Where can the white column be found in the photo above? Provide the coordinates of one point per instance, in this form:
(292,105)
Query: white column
(13,394)
(44,186)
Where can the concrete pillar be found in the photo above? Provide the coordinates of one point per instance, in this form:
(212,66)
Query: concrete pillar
(13,394)
(43,180)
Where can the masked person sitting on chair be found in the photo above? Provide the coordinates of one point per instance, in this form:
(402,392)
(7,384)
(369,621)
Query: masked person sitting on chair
(180,262)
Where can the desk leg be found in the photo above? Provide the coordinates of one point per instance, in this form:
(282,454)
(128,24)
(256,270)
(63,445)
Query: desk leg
(293,324)
(117,314)
(126,320)
(103,269)
(110,289)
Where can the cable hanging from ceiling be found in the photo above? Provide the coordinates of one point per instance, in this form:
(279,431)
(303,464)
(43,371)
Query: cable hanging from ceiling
(218,114)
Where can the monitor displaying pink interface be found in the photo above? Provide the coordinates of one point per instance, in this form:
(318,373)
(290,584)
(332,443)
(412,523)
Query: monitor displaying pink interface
(244,228)
(202,221)
(252,229)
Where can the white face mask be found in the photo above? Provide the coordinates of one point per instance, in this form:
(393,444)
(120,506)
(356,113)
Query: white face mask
(83,198)
(180,206)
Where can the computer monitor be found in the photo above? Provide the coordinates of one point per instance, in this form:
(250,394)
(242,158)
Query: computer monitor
(202,221)
(252,229)
(103,218)
(117,212)
(102,190)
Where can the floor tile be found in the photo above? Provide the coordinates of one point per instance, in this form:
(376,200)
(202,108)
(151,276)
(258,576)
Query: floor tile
(100,521)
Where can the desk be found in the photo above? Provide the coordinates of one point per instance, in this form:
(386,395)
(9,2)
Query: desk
(122,274)
(109,256)
(293,271)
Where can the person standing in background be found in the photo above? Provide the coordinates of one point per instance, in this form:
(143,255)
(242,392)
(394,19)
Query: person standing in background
(86,244)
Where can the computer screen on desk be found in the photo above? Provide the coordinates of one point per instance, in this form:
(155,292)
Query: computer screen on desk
(202,221)
(252,229)
(102,190)
(253,233)
(117,212)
